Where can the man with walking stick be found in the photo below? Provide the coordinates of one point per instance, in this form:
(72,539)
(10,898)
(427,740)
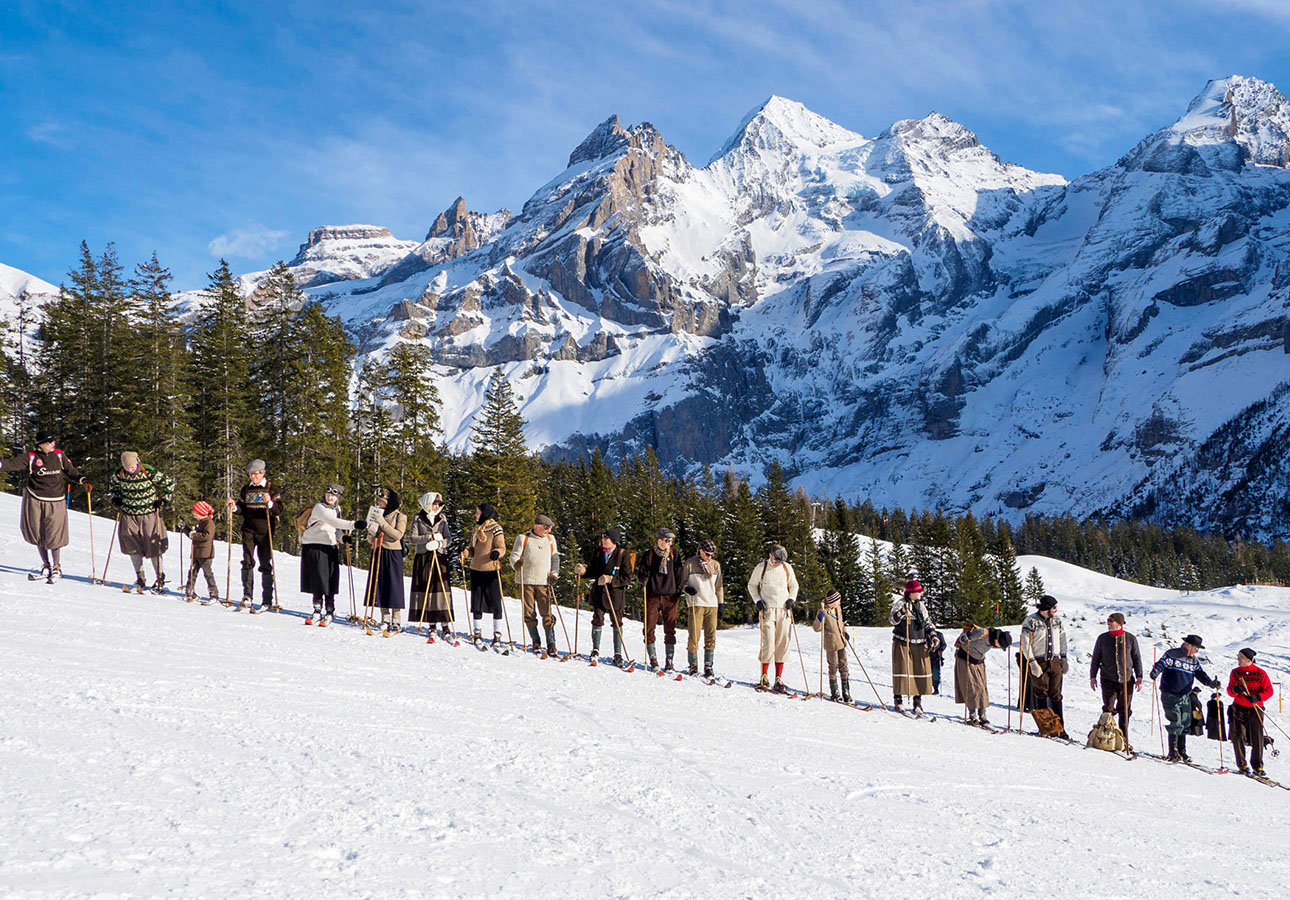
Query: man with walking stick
(773,587)
(256,503)
(1180,669)
(610,572)
(1248,686)
(1115,656)
(42,518)
(536,562)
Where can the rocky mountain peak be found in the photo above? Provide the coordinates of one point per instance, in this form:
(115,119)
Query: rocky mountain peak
(1234,121)
(451,222)
(605,139)
(782,125)
(934,129)
(332,234)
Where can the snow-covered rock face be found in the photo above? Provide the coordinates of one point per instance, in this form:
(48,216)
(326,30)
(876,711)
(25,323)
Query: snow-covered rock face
(905,317)
(346,252)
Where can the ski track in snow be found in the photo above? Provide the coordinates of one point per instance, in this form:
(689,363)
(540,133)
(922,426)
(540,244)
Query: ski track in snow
(152,748)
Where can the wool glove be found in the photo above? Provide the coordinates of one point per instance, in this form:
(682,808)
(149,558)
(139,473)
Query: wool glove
(85,484)
(819,616)
(721,608)
(691,590)
(1065,665)
(158,504)
(761,605)
(579,570)
(551,578)
(790,603)
(494,555)
(1035,669)
(604,580)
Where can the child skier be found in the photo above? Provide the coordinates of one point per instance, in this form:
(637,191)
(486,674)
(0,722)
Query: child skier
(833,632)
(202,534)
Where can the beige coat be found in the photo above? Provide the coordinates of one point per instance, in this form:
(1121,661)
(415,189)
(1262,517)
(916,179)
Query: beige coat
(393,526)
(773,584)
(705,580)
(833,629)
(484,540)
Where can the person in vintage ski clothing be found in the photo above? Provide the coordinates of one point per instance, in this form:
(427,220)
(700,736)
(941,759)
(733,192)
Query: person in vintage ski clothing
(202,535)
(1043,647)
(42,518)
(828,623)
(911,665)
(1249,687)
(259,504)
(386,525)
(970,687)
(536,561)
(484,557)
(1178,670)
(325,530)
(610,572)
(705,595)
(1117,658)
(429,538)
(773,588)
(659,569)
(140,493)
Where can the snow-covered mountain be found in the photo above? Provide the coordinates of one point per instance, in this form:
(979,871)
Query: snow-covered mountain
(906,317)
(21,296)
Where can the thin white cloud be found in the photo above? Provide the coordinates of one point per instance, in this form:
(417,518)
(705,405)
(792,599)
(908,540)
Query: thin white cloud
(250,241)
(54,134)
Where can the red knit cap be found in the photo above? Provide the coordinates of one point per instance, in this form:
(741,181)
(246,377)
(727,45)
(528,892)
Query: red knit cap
(202,509)
(912,586)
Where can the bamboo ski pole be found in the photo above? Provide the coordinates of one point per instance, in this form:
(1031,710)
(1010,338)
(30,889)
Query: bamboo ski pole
(577,613)
(228,570)
(555,601)
(369,592)
(436,572)
(89,501)
(425,600)
(273,562)
(1008,724)
(822,631)
(501,598)
(349,567)
(111,543)
(866,674)
(792,620)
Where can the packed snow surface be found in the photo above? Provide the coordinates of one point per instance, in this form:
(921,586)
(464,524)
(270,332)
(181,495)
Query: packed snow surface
(153,748)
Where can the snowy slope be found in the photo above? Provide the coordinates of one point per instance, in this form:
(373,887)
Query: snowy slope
(149,748)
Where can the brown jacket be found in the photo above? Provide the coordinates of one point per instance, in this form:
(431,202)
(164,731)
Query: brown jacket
(203,537)
(484,540)
(393,526)
(832,627)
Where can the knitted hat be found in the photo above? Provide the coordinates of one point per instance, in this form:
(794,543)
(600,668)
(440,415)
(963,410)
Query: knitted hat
(708,545)
(913,586)
(778,552)
(1194,640)
(664,534)
(614,534)
(129,459)
(1247,653)
(202,509)
(335,489)
(255,465)
(543,520)
(832,598)
(1048,601)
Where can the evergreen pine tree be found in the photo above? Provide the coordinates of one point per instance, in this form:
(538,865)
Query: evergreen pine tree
(1034,587)
(502,471)
(1012,598)
(741,546)
(978,587)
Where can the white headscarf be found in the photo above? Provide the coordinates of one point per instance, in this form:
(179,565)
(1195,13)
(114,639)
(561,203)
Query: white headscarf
(429,499)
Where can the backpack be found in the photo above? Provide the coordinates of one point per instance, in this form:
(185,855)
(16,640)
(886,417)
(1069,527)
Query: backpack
(1047,721)
(1106,734)
(302,519)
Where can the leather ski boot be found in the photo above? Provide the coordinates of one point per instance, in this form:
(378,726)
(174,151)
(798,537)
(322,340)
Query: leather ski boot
(846,690)
(833,689)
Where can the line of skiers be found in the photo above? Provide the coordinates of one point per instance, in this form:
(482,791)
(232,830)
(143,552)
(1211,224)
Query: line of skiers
(139,493)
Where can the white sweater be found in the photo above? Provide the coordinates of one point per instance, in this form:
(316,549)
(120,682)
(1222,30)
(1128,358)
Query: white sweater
(324,523)
(537,557)
(773,584)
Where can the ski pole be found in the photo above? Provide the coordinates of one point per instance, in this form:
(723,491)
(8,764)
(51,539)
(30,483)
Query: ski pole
(1008,725)
(555,601)
(228,570)
(273,563)
(349,567)
(826,625)
(501,598)
(373,573)
(866,674)
(425,600)
(437,573)
(577,613)
(792,620)
(111,542)
(89,500)
(613,615)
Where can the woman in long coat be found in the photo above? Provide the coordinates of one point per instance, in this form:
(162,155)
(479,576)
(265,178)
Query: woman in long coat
(431,600)
(386,525)
(911,666)
(970,687)
(320,554)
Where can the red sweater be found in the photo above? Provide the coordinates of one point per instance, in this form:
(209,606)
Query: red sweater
(1249,681)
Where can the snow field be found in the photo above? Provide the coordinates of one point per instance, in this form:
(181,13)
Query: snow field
(150,747)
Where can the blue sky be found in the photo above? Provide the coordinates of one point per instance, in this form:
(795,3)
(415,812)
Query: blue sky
(232,128)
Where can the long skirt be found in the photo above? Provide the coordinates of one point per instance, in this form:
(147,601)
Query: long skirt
(911,669)
(485,594)
(969,683)
(319,570)
(388,593)
(43,522)
(143,535)
(430,571)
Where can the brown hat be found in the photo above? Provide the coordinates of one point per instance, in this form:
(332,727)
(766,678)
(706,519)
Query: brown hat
(543,520)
